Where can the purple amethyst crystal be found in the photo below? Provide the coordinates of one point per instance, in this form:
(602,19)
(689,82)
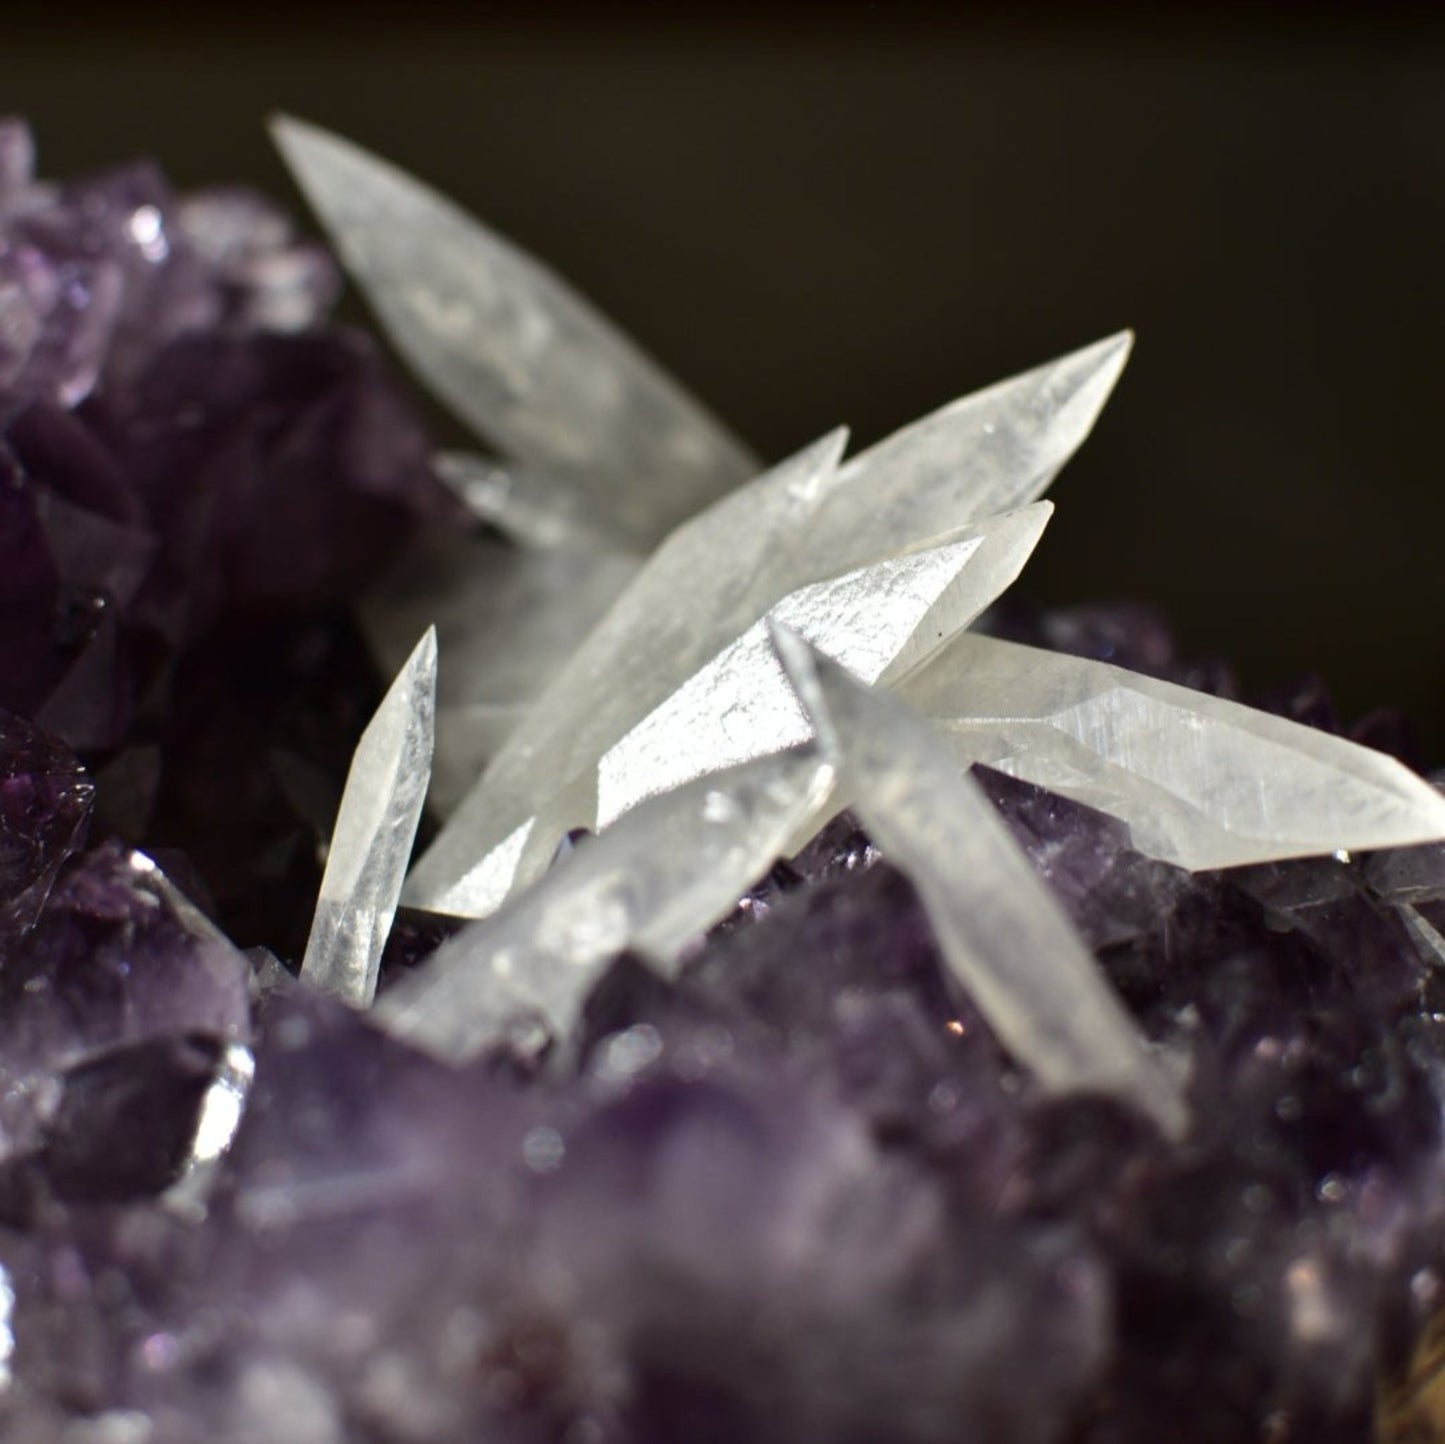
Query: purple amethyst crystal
(116,1004)
(197,474)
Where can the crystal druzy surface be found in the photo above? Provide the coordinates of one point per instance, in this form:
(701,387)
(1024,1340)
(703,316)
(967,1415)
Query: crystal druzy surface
(845,1086)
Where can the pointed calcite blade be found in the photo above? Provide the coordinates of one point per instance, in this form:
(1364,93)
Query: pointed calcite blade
(1001,931)
(1201,782)
(878,620)
(509,347)
(987,452)
(664,873)
(374,832)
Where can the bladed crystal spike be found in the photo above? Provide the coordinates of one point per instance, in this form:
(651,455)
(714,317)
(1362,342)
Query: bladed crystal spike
(1005,938)
(991,451)
(879,620)
(373,836)
(509,347)
(661,875)
(1201,783)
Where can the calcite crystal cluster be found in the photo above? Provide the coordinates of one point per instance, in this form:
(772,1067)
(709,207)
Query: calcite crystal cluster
(737,980)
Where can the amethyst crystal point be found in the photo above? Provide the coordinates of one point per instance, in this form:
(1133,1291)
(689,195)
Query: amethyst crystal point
(116,957)
(45,803)
(117,1006)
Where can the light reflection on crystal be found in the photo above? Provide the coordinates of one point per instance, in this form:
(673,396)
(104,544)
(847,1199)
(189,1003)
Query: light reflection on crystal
(220,1116)
(224,1103)
(7,1328)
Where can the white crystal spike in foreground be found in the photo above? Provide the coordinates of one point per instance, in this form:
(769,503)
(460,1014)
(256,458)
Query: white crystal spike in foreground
(663,874)
(372,840)
(1201,782)
(510,347)
(1000,929)
(878,620)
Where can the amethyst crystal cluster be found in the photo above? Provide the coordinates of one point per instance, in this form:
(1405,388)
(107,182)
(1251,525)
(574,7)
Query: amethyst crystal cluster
(792,1188)
(196,475)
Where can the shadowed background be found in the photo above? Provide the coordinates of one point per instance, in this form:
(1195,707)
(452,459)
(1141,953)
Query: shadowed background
(855,216)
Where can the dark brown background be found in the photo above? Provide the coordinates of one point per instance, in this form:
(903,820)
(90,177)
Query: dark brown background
(854,214)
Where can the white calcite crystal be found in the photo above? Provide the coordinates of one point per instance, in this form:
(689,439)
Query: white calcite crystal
(521,358)
(1005,938)
(610,666)
(808,520)
(880,619)
(1200,781)
(375,829)
(663,874)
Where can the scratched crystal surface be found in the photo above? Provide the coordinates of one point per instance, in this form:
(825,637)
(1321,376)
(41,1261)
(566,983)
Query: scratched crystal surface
(1202,782)
(375,829)
(660,876)
(1007,941)
(510,347)
(879,622)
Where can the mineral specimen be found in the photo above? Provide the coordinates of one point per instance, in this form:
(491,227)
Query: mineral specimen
(845,1086)
(375,829)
